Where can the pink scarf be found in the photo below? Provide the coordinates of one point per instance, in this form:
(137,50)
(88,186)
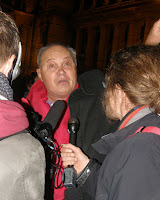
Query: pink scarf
(37,98)
(61,136)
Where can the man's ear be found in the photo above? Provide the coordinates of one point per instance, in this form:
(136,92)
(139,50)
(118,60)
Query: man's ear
(8,66)
(39,74)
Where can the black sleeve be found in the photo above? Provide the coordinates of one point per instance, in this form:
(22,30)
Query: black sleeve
(90,184)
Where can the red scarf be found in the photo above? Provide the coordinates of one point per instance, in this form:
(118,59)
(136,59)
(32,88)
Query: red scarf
(61,136)
(37,98)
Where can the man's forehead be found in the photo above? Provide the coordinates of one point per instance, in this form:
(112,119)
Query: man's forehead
(55,52)
(57,49)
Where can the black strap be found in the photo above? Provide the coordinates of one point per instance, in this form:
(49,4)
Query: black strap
(142,129)
(82,177)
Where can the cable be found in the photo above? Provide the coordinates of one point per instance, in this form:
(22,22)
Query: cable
(56,163)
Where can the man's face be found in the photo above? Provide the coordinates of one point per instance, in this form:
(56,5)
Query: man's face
(58,72)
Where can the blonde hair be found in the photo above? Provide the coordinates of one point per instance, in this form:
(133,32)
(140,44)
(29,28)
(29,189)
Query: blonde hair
(137,71)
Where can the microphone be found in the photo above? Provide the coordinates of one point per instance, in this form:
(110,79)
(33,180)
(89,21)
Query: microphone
(73,127)
(45,128)
(69,172)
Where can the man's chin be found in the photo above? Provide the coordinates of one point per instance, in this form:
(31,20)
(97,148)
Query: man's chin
(65,92)
(112,117)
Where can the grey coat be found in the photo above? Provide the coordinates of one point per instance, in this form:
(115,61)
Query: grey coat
(22,168)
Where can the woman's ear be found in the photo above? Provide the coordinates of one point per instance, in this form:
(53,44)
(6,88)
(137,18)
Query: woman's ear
(119,92)
(126,105)
(122,103)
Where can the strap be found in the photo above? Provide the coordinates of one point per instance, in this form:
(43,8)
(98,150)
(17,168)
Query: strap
(82,177)
(148,129)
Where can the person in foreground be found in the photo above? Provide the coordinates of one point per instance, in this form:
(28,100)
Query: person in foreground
(22,159)
(131,167)
(58,81)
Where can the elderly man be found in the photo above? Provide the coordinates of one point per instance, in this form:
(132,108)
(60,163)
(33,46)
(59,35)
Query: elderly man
(58,81)
(22,158)
(131,168)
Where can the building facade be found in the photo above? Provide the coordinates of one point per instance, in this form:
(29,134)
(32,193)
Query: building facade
(95,28)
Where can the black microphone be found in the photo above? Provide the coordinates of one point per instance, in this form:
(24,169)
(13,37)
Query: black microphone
(69,172)
(50,122)
(44,131)
(73,127)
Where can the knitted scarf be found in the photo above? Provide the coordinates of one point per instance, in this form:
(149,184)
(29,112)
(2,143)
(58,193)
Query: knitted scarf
(5,89)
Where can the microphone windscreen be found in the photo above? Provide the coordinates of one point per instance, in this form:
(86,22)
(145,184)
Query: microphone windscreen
(55,113)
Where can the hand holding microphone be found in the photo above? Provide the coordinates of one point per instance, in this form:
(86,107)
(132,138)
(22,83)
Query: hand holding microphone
(73,156)
(68,154)
(69,172)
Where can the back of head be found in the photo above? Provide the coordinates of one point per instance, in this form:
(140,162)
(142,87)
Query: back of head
(9,38)
(137,71)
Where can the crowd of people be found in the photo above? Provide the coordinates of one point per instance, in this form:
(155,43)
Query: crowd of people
(131,166)
(57,74)
(117,150)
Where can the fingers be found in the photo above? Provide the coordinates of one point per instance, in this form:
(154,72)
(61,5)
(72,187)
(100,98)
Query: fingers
(72,155)
(69,146)
(68,156)
(68,160)
(66,150)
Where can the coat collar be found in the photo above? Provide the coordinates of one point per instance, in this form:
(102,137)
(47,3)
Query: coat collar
(110,141)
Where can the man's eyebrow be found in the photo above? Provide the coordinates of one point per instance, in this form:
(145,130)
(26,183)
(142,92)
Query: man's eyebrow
(50,59)
(68,57)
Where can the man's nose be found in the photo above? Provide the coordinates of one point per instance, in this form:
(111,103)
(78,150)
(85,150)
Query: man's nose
(61,70)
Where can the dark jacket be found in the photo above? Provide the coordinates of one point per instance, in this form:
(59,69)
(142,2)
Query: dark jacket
(131,168)
(85,104)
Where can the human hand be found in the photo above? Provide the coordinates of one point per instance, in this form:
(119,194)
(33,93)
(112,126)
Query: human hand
(72,155)
(153,37)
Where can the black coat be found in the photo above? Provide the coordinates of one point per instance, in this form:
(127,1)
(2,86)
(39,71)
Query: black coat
(85,104)
(131,169)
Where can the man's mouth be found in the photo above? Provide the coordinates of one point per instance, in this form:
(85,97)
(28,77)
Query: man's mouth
(62,81)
